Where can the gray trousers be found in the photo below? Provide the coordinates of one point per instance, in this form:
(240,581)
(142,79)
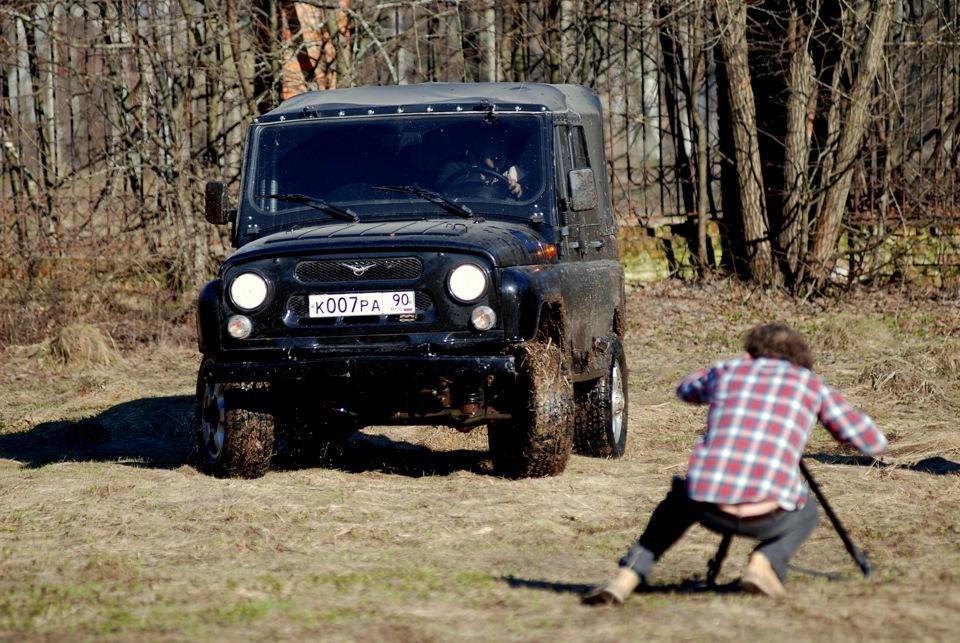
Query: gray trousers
(780,534)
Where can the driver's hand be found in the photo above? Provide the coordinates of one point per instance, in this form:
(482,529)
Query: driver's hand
(515,188)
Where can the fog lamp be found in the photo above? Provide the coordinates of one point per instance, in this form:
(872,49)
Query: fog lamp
(239,327)
(483,318)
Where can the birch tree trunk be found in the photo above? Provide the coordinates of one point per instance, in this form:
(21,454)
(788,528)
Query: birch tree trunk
(699,71)
(553,19)
(489,69)
(19,104)
(568,18)
(242,72)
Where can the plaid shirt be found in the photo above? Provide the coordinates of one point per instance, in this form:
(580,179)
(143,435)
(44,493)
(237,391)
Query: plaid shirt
(761,413)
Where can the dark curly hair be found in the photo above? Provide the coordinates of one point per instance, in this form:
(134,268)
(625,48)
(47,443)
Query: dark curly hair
(778,341)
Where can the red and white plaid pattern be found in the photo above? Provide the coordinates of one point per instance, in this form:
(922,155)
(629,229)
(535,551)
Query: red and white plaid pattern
(761,413)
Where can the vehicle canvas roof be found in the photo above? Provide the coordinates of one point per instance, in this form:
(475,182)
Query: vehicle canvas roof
(437,97)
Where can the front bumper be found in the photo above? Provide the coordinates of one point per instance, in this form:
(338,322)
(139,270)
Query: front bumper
(361,366)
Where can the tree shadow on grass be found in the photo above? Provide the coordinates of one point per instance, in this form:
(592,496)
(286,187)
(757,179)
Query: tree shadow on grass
(855,460)
(150,432)
(159,433)
(935,465)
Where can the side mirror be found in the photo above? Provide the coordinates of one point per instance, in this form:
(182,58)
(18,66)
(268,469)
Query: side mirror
(583,190)
(216,203)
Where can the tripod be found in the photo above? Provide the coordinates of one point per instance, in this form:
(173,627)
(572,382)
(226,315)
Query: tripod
(859,556)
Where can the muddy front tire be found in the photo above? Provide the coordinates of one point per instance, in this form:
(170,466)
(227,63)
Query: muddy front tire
(601,413)
(538,440)
(234,442)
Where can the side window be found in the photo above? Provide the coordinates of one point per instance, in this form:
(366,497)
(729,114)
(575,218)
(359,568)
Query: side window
(571,148)
(578,144)
(575,177)
(563,149)
(564,165)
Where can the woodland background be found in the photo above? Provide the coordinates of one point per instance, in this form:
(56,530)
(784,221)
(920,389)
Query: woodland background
(791,143)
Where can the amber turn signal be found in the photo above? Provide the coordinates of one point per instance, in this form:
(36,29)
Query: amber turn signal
(547,251)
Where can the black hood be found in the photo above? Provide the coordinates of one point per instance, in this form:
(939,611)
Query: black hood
(504,244)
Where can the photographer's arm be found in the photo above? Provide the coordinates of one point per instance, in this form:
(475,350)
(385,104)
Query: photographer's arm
(849,425)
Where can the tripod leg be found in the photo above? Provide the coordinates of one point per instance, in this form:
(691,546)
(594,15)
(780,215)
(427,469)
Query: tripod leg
(713,570)
(859,556)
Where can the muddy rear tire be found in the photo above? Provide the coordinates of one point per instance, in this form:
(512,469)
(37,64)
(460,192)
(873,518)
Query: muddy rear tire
(233,442)
(538,440)
(601,413)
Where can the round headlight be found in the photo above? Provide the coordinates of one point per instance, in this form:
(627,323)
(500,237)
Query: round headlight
(467,282)
(248,291)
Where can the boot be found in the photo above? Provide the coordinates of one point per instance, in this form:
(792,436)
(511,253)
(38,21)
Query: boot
(760,577)
(616,590)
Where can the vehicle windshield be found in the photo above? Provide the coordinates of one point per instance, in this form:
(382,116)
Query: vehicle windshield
(379,167)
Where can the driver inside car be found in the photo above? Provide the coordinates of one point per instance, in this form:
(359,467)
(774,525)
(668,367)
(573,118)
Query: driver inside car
(488,163)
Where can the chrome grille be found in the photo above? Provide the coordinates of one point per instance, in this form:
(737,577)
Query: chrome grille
(318,272)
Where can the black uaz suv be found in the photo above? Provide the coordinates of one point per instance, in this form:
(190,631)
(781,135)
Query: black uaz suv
(423,254)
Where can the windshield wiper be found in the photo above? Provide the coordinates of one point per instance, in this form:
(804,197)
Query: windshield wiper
(316,204)
(447,204)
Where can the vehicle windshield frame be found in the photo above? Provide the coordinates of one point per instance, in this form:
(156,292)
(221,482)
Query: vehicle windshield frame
(397,150)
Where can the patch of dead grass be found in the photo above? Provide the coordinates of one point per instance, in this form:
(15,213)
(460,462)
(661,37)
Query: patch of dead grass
(947,357)
(80,346)
(850,332)
(897,377)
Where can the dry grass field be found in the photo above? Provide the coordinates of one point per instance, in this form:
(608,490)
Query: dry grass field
(109,532)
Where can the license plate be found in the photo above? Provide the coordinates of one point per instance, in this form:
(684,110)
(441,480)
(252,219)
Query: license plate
(354,304)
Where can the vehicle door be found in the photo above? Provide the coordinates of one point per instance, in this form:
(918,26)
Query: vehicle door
(593,280)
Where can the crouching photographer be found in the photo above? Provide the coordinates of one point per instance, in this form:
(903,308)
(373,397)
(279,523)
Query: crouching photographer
(744,476)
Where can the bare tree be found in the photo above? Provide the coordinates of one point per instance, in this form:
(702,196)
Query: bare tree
(794,230)
(856,120)
(807,131)
(699,73)
(731,17)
